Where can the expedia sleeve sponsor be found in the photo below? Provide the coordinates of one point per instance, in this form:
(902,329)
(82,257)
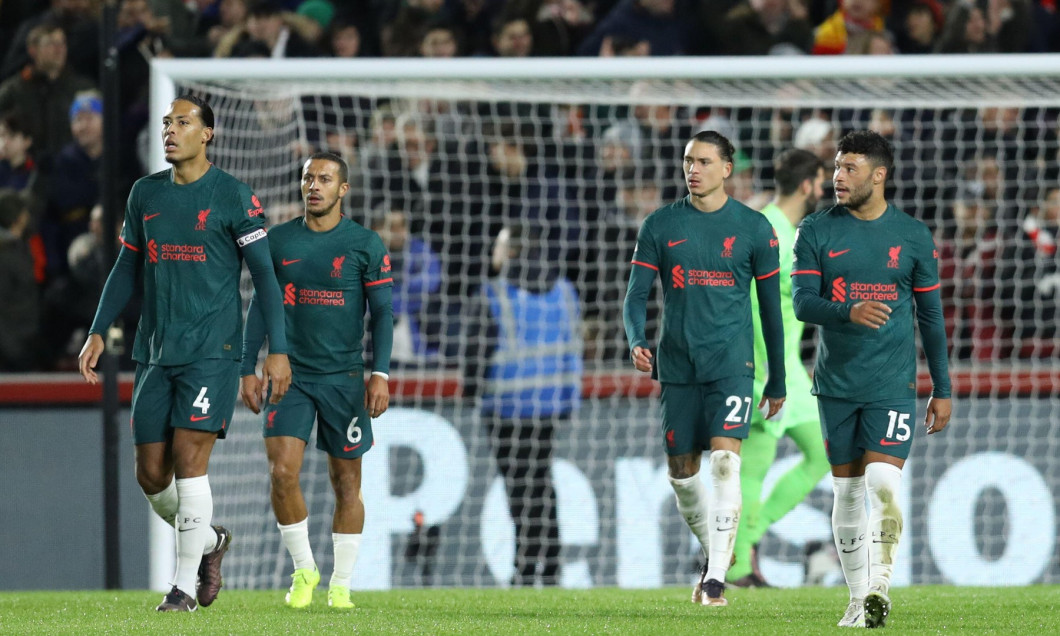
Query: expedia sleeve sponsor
(256,235)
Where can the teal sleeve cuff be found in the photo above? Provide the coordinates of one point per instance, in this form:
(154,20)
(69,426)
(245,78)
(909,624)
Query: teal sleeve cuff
(267,289)
(933,337)
(117,291)
(768,290)
(253,338)
(382,326)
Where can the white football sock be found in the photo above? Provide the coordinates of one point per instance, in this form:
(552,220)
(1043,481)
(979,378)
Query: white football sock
(346,548)
(883,482)
(296,539)
(725,505)
(194,515)
(692,504)
(849,526)
(165,503)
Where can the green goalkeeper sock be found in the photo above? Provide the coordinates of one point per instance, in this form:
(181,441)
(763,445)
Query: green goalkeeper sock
(798,482)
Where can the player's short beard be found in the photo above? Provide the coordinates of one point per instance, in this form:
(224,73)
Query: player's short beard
(321,211)
(858,198)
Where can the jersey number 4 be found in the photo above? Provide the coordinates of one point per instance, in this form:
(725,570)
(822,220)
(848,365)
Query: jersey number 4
(202,402)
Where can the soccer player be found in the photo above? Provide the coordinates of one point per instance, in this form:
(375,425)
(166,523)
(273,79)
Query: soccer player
(328,267)
(705,249)
(799,175)
(862,269)
(185,229)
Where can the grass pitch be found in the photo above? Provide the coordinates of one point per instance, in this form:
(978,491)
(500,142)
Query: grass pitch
(917,610)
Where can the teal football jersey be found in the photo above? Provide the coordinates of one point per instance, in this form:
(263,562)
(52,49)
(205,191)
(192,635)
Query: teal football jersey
(324,277)
(847,260)
(706,262)
(188,238)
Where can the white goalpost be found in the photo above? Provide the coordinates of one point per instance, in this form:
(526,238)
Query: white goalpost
(586,147)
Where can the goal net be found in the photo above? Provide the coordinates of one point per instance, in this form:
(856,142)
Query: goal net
(585,149)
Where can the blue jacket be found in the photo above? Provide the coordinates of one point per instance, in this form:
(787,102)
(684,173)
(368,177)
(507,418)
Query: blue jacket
(536,367)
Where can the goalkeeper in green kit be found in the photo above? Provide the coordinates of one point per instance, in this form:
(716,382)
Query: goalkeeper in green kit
(799,175)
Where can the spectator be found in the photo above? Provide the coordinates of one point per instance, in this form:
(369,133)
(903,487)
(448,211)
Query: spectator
(417,280)
(920,27)
(852,17)
(870,43)
(658,22)
(18,170)
(77,168)
(315,17)
(968,252)
(80,27)
(344,39)
(43,92)
(279,30)
(765,27)
(526,326)
(440,40)
(512,37)
(559,26)
(1032,263)
(231,17)
(20,311)
(401,33)
(986,26)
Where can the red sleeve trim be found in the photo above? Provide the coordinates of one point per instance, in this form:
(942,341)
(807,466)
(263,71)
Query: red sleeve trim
(648,265)
(135,249)
(379,282)
(767,275)
(806,271)
(927,289)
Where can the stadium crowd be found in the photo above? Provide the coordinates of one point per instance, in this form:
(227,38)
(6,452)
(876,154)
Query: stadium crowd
(438,179)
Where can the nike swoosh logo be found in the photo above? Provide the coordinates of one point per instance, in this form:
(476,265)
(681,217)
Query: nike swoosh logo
(672,243)
(148,217)
(349,448)
(832,254)
(725,529)
(199,418)
(187,529)
(887,542)
(729,427)
(884,442)
(845,551)
(288,262)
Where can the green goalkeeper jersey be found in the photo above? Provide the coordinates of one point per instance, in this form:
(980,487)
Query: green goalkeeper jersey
(797,378)
(325,278)
(188,237)
(706,262)
(843,260)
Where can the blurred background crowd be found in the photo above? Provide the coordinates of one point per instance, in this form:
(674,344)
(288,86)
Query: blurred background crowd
(437,180)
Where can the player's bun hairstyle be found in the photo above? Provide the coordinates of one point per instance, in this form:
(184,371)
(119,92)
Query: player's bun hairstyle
(719,141)
(871,145)
(344,170)
(205,112)
(792,167)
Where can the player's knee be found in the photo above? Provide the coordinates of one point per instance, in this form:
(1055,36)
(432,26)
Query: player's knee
(724,464)
(152,479)
(283,476)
